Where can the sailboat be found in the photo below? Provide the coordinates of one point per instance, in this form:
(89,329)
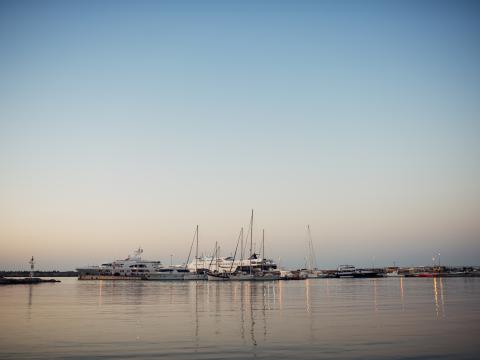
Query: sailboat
(216,275)
(311,269)
(240,274)
(262,273)
(197,274)
(266,274)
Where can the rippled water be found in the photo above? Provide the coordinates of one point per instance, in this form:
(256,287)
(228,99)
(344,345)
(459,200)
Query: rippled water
(318,318)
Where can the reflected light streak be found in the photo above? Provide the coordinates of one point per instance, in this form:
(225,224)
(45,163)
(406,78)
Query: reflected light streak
(401,294)
(435,295)
(307,295)
(442,300)
(100,292)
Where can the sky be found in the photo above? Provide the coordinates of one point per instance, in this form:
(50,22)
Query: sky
(127,123)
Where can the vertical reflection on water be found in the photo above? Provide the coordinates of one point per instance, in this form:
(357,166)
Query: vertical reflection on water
(218,308)
(401,293)
(275,293)
(242,312)
(30,295)
(196,318)
(252,318)
(438,294)
(375,304)
(280,294)
(435,295)
(441,297)
(309,309)
(307,295)
(264,303)
(100,292)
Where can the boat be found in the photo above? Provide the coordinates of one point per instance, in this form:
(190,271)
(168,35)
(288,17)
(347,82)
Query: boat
(217,276)
(349,271)
(131,267)
(228,263)
(311,270)
(178,272)
(167,273)
(266,276)
(393,273)
(346,271)
(194,273)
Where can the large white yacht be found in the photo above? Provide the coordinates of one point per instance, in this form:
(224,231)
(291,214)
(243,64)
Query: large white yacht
(133,266)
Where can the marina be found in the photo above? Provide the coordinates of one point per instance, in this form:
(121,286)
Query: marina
(228,269)
(247,265)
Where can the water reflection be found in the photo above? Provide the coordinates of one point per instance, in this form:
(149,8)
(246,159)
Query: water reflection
(438,297)
(197,322)
(29,307)
(307,295)
(282,320)
(100,292)
(401,293)
(442,301)
(252,318)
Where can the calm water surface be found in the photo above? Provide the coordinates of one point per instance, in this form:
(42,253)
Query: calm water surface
(318,318)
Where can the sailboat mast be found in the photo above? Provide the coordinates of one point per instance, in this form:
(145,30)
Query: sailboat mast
(309,255)
(196,254)
(263,244)
(263,248)
(216,256)
(251,240)
(311,251)
(241,246)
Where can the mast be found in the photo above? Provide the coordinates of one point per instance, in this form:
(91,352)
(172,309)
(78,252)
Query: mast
(251,241)
(195,236)
(312,259)
(241,246)
(211,260)
(263,249)
(218,258)
(196,254)
(263,243)
(236,248)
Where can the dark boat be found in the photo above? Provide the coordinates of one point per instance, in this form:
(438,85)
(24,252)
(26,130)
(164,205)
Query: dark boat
(217,276)
(349,271)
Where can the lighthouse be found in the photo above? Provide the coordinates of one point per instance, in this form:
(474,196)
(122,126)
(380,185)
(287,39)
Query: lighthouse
(32,265)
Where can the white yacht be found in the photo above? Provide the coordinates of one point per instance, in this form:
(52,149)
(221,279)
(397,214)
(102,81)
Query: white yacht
(132,266)
(230,265)
(167,273)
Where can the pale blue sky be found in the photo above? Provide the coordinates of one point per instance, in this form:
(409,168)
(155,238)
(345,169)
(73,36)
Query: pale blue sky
(129,122)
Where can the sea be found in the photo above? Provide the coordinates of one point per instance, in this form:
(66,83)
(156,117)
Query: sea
(387,318)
